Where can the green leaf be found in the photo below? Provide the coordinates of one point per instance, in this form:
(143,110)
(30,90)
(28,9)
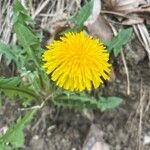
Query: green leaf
(85,101)
(14,137)
(4,147)
(119,41)
(17,55)
(74,29)
(22,28)
(27,38)
(12,87)
(38,80)
(10,52)
(80,17)
(20,14)
(109,102)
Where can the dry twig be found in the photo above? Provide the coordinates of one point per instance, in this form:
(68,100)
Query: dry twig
(37,106)
(125,65)
(142,97)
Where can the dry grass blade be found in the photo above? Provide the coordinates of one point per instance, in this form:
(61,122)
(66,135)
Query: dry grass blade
(144,37)
(139,117)
(54,17)
(132,21)
(142,97)
(128,5)
(40,8)
(5,22)
(148,104)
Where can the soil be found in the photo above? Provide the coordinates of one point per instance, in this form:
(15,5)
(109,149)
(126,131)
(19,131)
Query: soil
(124,128)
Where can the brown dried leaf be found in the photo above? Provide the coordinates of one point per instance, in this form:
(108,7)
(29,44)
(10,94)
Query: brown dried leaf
(143,12)
(129,12)
(94,140)
(112,75)
(100,28)
(123,6)
(54,29)
(96,24)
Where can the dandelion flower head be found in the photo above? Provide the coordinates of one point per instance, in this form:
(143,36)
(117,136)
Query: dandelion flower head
(77,62)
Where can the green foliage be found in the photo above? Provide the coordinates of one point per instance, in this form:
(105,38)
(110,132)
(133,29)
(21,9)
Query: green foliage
(9,52)
(0,101)
(12,53)
(84,101)
(39,81)
(25,36)
(33,79)
(109,102)
(81,16)
(14,137)
(119,41)
(12,87)
(20,14)
(28,39)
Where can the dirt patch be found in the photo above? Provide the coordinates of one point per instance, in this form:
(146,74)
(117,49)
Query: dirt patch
(64,129)
(120,126)
(124,128)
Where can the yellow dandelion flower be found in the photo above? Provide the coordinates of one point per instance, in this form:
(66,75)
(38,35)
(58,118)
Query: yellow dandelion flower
(77,61)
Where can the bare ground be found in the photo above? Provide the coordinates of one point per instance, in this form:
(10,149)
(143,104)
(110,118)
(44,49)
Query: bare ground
(124,128)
